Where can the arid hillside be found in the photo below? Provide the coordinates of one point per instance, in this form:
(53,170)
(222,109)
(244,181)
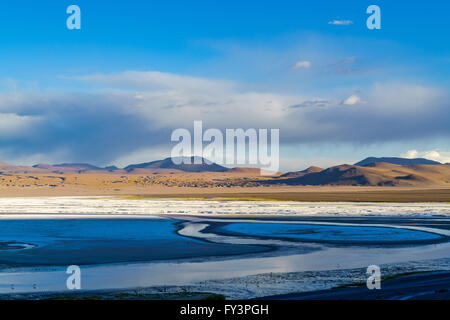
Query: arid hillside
(16,179)
(376,174)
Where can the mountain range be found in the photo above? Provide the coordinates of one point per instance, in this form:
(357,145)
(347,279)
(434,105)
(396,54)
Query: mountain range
(386,171)
(186,164)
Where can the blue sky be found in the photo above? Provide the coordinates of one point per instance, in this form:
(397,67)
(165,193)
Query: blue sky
(71,95)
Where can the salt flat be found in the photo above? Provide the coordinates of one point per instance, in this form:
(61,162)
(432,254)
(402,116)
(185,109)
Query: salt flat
(116,207)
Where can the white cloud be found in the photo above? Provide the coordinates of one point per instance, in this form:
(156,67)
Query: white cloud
(132,120)
(352,100)
(169,100)
(386,117)
(440,156)
(13,125)
(411,154)
(341,22)
(223,104)
(301,64)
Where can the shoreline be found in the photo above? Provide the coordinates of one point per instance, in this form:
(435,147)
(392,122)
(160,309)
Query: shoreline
(355,194)
(312,285)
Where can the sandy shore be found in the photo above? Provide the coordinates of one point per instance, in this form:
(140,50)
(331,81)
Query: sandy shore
(275,193)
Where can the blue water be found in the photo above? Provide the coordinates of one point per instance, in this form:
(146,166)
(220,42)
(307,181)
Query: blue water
(330,233)
(98,241)
(113,253)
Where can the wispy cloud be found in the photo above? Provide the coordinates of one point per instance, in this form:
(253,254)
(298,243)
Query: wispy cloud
(301,64)
(156,80)
(312,103)
(341,22)
(342,66)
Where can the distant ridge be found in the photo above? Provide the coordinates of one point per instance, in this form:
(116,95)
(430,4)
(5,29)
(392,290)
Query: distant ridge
(297,174)
(187,165)
(393,160)
(79,167)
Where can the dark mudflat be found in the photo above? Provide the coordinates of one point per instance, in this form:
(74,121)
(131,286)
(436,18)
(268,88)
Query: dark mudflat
(425,286)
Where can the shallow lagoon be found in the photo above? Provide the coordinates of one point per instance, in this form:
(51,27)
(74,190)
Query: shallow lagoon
(98,241)
(330,233)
